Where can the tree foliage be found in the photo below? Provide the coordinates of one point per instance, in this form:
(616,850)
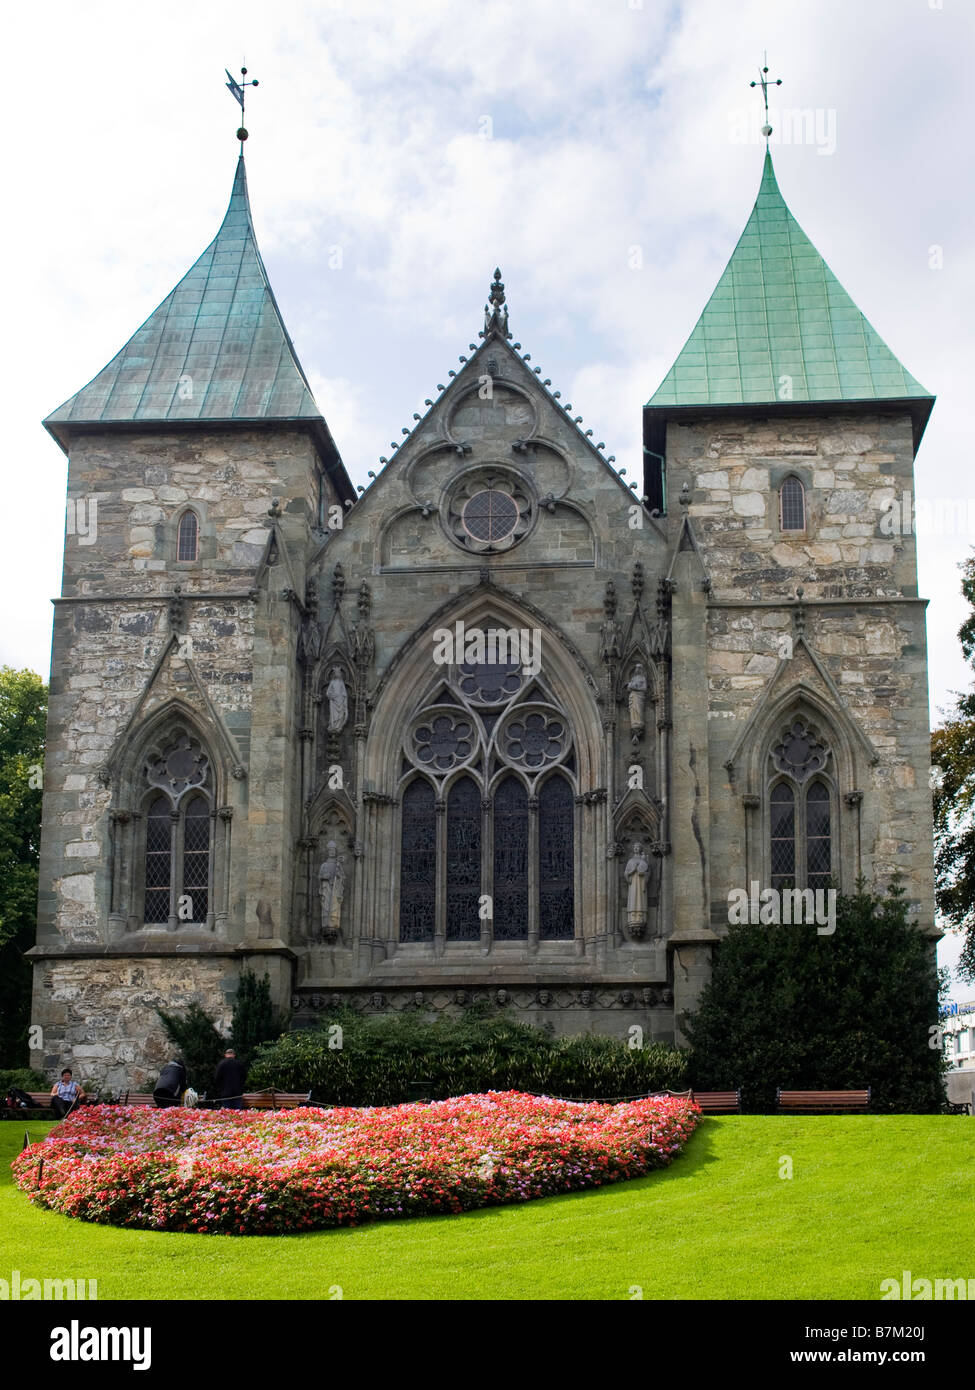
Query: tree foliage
(953,758)
(23,718)
(255,1019)
(786,1007)
(198,1041)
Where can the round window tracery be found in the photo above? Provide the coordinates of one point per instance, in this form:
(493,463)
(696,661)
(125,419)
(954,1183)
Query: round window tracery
(488,509)
(442,739)
(800,752)
(490,515)
(534,738)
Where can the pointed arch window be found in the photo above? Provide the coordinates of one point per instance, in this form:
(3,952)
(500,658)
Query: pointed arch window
(177,859)
(487,829)
(792,505)
(801,817)
(188,537)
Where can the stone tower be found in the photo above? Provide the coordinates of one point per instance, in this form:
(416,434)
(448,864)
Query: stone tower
(498,728)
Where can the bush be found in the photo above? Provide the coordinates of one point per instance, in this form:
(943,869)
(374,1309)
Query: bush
(198,1041)
(255,1020)
(24,1078)
(787,1007)
(386,1060)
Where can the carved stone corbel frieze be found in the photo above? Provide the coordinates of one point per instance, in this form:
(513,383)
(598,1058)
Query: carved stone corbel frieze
(381,799)
(177,609)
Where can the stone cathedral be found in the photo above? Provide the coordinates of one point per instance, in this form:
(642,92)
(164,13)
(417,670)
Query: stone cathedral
(500,726)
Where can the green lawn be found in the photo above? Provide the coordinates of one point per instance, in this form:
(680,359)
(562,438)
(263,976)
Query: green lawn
(870,1196)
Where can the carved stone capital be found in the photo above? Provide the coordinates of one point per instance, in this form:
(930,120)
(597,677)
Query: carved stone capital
(660,848)
(751,801)
(853,799)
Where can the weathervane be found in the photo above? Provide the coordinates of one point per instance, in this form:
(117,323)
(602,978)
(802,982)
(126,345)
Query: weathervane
(236,90)
(763,80)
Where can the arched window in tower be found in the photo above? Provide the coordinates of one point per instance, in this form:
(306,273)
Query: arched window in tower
(177,863)
(511,842)
(555,861)
(418,863)
(800,808)
(792,505)
(463,861)
(188,537)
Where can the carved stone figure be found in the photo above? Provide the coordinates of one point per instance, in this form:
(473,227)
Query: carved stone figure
(637,686)
(636,873)
(338,701)
(331,890)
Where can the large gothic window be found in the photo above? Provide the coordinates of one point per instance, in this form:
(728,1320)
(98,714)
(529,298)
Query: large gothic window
(800,809)
(177,860)
(488,810)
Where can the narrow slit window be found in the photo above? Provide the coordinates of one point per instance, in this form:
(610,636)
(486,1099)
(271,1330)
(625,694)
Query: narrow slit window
(792,506)
(188,537)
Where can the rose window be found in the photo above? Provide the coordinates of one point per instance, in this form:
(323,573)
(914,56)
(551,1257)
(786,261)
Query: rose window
(535,739)
(442,741)
(490,515)
(800,752)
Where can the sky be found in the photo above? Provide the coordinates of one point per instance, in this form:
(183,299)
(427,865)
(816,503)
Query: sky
(604,153)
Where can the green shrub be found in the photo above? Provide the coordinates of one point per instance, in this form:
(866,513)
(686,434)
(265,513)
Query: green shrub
(255,1019)
(197,1040)
(386,1060)
(789,1008)
(24,1078)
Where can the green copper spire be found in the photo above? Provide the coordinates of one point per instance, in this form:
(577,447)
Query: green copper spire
(216,349)
(780,327)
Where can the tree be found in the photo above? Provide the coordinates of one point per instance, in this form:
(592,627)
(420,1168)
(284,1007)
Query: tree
(198,1041)
(255,1020)
(953,761)
(788,1007)
(23,719)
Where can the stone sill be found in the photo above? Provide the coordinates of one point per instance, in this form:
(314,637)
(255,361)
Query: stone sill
(120,950)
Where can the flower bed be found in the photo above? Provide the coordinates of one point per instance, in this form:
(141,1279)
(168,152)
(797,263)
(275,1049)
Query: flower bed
(268,1172)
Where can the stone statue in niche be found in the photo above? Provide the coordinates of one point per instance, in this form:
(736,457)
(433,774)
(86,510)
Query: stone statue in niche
(338,701)
(331,890)
(637,687)
(636,873)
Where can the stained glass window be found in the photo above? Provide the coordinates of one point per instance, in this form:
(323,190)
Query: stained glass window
(463,861)
(418,864)
(555,861)
(490,515)
(511,843)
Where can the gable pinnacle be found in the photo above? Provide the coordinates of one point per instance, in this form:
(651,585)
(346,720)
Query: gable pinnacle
(496,310)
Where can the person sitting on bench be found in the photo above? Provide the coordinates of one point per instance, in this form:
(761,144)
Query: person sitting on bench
(171,1083)
(66,1095)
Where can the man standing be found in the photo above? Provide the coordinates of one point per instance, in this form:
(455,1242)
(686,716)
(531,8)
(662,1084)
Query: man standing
(66,1094)
(230,1079)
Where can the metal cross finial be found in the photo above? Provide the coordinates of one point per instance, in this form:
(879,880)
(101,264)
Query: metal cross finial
(237,91)
(763,81)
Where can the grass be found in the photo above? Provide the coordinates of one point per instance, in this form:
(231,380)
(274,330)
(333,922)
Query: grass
(870,1196)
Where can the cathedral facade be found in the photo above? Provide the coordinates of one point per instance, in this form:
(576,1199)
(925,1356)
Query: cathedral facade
(498,726)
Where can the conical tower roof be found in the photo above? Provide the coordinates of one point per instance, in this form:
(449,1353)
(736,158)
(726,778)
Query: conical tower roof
(780,329)
(215,351)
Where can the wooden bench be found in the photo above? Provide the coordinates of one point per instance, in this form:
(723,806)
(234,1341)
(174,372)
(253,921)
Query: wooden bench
(40,1101)
(276,1100)
(821,1102)
(718,1102)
